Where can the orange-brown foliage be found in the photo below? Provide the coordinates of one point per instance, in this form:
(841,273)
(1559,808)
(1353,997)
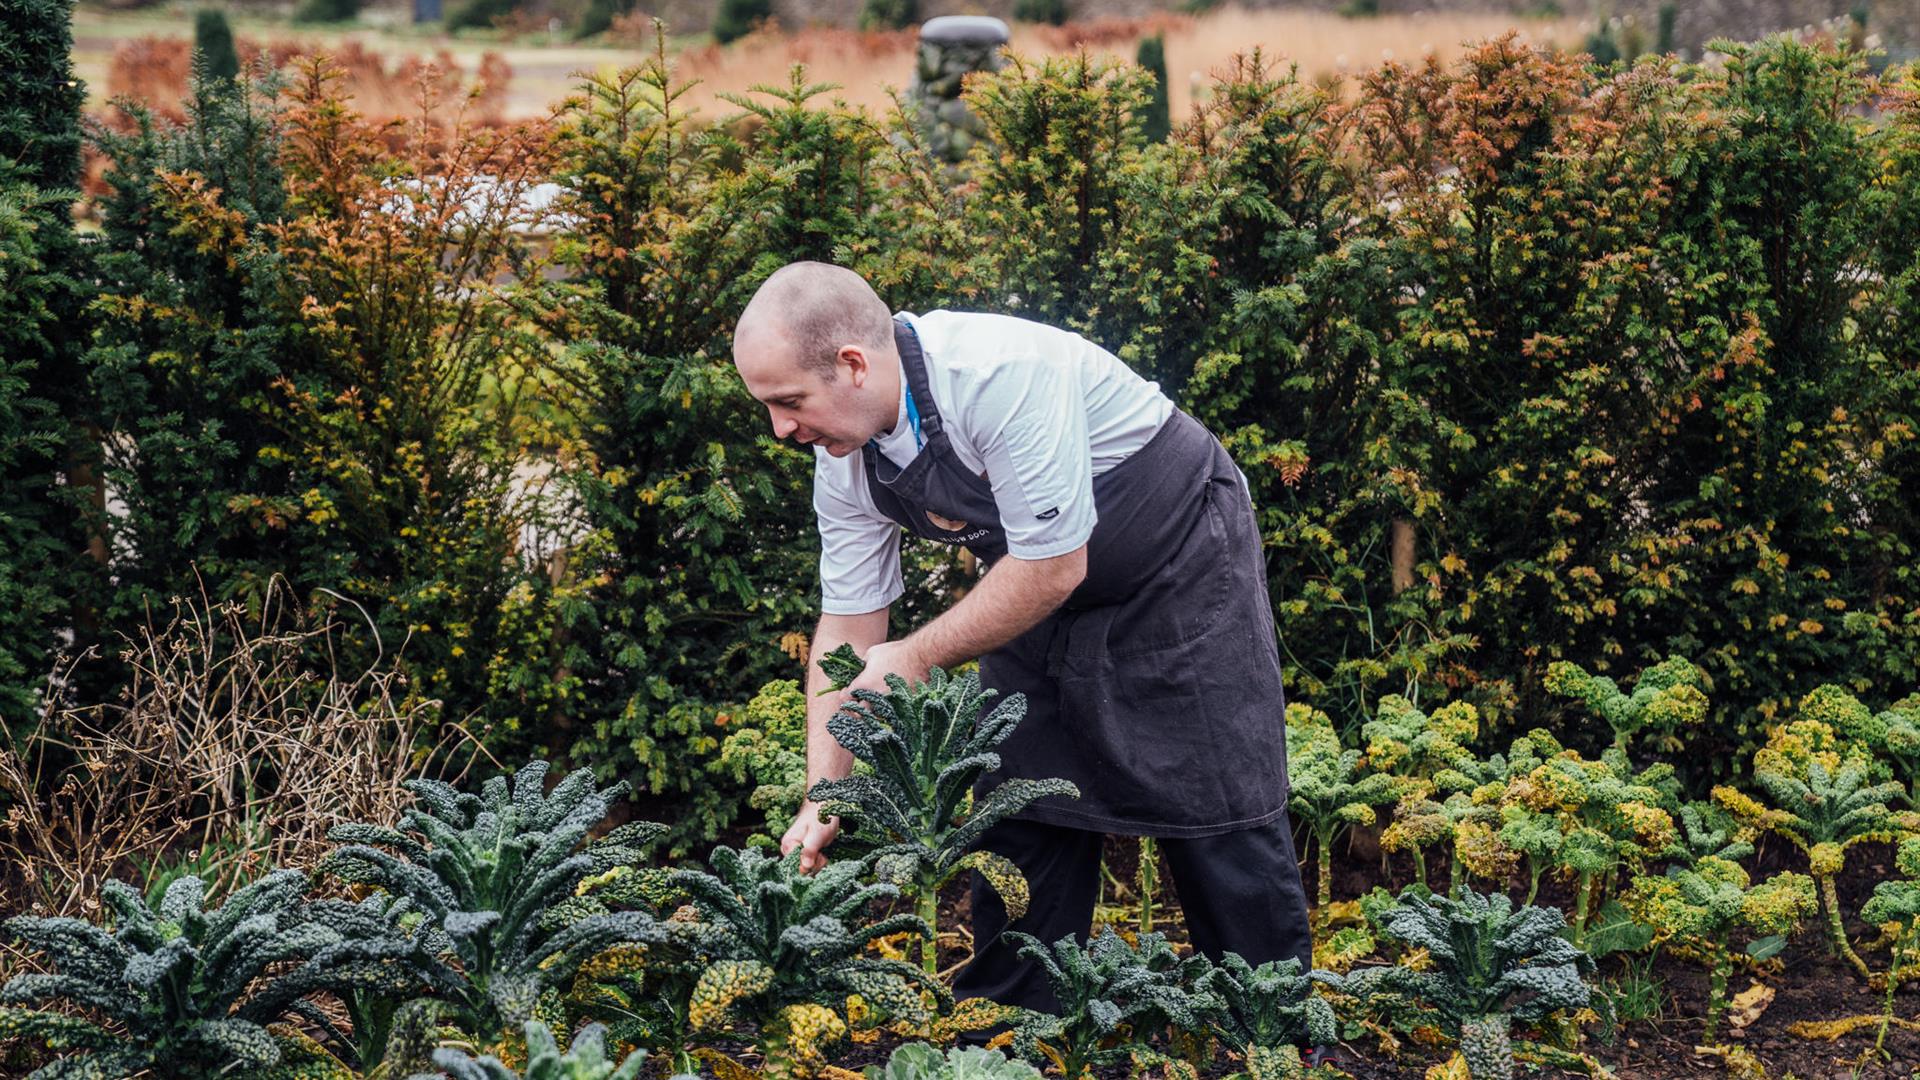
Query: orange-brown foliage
(1108,33)
(155,71)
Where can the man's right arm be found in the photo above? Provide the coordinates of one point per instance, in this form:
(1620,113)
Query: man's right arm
(826,758)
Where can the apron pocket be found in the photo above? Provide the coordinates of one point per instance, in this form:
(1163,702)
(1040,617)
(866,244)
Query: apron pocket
(1181,604)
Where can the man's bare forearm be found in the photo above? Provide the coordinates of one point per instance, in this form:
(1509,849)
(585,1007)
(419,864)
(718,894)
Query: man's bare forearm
(1010,600)
(826,758)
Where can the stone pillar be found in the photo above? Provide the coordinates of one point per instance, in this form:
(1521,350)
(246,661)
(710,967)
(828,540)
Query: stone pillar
(951,46)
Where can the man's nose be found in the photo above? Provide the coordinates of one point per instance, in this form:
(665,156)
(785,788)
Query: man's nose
(783,426)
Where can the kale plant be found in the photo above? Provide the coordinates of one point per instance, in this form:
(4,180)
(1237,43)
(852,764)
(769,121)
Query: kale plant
(1702,906)
(586,1059)
(1896,905)
(486,870)
(926,745)
(1899,740)
(1267,1013)
(1707,829)
(644,993)
(1536,836)
(1426,752)
(1893,735)
(767,745)
(789,948)
(841,666)
(922,1061)
(1667,697)
(1112,995)
(1824,802)
(1464,821)
(1609,816)
(1490,966)
(189,991)
(1327,790)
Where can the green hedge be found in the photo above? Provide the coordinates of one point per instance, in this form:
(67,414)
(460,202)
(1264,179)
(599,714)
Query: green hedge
(49,584)
(1526,361)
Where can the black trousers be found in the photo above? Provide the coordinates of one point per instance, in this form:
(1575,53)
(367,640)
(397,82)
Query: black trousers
(1239,891)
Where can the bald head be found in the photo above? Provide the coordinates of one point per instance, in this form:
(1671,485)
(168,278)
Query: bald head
(809,311)
(815,346)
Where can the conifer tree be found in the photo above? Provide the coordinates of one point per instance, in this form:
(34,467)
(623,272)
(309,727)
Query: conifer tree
(45,570)
(1155,118)
(213,44)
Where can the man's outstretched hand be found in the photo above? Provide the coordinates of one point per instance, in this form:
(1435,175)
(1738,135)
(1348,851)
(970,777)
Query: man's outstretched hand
(888,658)
(810,835)
(845,672)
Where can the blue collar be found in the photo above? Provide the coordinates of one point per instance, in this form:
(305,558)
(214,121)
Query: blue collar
(913,413)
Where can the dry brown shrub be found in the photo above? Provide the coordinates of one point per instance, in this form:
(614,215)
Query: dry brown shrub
(1106,33)
(226,739)
(152,70)
(156,71)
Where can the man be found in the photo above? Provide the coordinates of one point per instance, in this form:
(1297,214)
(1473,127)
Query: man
(1125,598)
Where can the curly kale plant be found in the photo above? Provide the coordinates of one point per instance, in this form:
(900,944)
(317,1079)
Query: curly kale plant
(1267,1013)
(1898,729)
(1707,829)
(1328,792)
(922,1061)
(1893,735)
(767,745)
(1824,802)
(1609,816)
(586,1059)
(1112,995)
(189,991)
(926,745)
(1464,822)
(1490,965)
(1703,905)
(486,870)
(1667,697)
(1896,905)
(790,948)
(1426,752)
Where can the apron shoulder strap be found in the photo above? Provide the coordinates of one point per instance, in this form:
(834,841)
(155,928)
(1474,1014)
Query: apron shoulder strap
(913,364)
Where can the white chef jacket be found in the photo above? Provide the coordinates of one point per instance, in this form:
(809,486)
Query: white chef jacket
(1038,410)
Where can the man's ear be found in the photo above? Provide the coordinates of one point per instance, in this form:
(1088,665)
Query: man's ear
(854,358)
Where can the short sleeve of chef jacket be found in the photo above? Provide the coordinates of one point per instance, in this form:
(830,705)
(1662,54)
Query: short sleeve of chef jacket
(859,547)
(1026,417)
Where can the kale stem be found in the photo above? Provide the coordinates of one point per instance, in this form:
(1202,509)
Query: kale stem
(1325,891)
(1581,904)
(1893,981)
(928,903)
(1149,881)
(1717,985)
(1836,929)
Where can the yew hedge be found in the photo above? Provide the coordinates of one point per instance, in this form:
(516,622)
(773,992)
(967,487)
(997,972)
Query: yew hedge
(1527,360)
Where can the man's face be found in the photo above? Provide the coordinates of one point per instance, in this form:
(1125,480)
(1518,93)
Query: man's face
(801,404)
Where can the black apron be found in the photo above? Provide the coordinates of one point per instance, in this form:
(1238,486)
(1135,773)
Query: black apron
(1156,687)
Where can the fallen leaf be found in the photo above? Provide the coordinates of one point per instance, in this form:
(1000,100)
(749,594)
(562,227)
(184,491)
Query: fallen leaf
(1747,1005)
(1738,1060)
